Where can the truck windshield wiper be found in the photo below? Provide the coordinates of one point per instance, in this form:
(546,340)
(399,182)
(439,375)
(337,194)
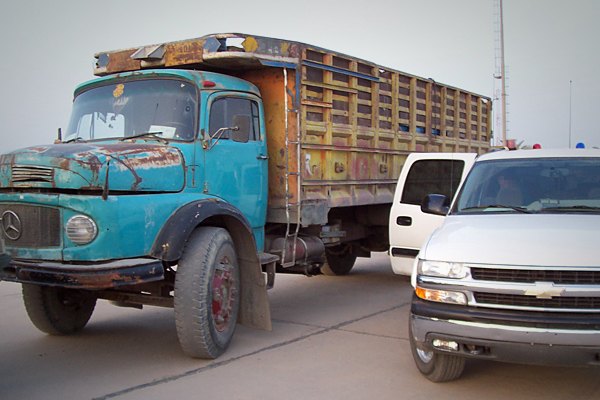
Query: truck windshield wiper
(571,208)
(75,139)
(147,134)
(515,208)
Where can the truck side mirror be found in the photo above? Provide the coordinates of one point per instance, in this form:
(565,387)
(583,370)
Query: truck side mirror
(242,132)
(436,204)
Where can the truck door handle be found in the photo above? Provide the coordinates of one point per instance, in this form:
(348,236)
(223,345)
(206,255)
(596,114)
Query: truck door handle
(404,221)
(262,157)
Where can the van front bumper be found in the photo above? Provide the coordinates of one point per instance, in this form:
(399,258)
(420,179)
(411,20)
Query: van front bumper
(540,338)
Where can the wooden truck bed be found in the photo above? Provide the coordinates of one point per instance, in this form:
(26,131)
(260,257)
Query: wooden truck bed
(338,128)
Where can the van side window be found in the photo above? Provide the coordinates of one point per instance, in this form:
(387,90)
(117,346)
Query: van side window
(224,109)
(432,177)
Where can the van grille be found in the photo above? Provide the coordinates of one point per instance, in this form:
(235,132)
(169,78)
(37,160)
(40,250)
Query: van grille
(531,276)
(530,301)
(29,173)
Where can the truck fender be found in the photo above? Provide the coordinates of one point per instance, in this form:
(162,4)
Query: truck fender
(168,246)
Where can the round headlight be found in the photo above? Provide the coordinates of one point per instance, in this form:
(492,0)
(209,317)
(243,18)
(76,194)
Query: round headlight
(81,229)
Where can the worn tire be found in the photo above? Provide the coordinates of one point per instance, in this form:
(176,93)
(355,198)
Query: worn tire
(58,311)
(340,260)
(437,367)
(207,293)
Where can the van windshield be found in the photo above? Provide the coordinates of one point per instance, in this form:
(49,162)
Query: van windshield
(537,185)
(165,108)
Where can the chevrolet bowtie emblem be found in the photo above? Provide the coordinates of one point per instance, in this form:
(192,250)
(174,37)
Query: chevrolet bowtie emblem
(545,290)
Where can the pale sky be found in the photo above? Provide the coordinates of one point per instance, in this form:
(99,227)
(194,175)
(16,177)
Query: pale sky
(48,48)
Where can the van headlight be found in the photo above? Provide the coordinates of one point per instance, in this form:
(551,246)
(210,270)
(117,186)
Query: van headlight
(443,269)
(81,229)
(442,296)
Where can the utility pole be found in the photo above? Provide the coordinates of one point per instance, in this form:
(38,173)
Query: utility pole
(501,67)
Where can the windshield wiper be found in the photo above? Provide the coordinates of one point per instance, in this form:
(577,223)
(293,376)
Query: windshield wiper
(515,208)
(147,134)
(75,139)
(571,208)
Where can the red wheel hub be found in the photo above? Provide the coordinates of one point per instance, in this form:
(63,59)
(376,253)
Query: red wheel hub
(223,294)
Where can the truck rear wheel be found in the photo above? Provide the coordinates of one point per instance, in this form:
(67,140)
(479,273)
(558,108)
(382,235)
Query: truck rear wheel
(207,293)
(58,311)
(340,260)
(436,367)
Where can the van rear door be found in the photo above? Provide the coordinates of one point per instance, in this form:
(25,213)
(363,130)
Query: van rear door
(422,174)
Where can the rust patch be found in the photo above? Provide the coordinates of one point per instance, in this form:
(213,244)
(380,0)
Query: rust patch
(65,164)
(132,156)
(121,61)
(182,53)
(81,277)
(39,149)
(139,155)
(154,158)
(6,159)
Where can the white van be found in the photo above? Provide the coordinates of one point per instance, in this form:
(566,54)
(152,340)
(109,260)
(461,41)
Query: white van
(513,272)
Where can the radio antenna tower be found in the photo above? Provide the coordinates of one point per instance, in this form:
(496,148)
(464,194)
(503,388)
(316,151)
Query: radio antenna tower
(500,68)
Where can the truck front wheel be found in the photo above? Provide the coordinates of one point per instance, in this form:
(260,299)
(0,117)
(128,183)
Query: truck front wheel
(340,260)
(207,293)
(58,311)
(436,367)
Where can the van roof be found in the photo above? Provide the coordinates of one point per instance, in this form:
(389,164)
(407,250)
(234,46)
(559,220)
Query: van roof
(539,153)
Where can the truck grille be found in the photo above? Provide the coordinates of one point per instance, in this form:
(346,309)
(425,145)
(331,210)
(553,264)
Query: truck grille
(30,226)
(531,276)
(30,173)
(530,301)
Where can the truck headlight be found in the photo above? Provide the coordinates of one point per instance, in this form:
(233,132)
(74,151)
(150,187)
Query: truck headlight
(443,269)
(81,229)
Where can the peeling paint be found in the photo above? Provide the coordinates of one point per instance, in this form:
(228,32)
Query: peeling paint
(133,166)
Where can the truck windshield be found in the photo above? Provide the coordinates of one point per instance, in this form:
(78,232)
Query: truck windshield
(165,108)
(537,185)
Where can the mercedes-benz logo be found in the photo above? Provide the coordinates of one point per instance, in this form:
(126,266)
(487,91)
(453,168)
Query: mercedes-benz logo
(11,225)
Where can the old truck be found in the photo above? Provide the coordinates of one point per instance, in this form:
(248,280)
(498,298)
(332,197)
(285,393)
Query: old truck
(191,172)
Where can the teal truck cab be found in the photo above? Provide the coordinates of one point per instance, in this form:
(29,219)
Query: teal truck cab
(114,204)
(191,172)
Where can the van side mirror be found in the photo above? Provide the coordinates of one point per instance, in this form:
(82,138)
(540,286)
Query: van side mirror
(436,204)
(242,132)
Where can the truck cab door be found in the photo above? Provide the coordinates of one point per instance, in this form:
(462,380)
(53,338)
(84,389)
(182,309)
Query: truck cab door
(422,174)
(236,170)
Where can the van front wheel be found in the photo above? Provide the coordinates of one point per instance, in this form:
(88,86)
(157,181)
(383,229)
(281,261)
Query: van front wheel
(436,367)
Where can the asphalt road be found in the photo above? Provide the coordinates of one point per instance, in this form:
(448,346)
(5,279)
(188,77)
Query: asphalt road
(333,338)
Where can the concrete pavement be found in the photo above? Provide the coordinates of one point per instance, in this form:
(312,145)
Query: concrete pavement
(333,338)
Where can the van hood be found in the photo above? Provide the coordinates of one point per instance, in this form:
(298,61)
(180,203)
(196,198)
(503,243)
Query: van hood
(562,240)
(135,167)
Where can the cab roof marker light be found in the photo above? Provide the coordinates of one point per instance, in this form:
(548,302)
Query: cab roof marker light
(208,84)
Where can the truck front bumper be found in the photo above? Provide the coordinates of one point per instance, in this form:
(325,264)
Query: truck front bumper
(540,338)
(84,276)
